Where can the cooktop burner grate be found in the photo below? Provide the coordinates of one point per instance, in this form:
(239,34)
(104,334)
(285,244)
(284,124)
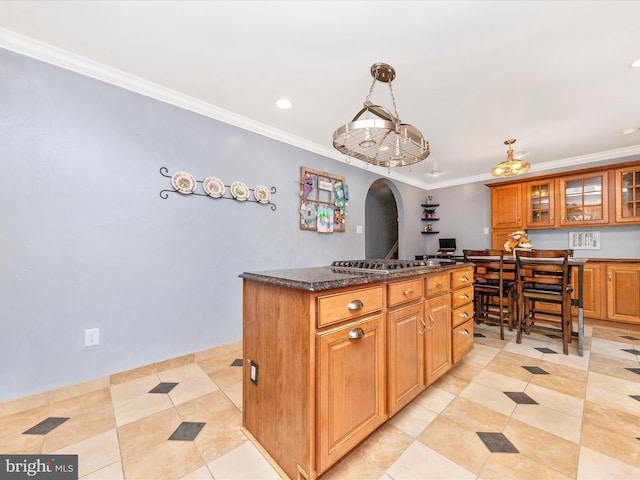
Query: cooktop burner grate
(381,266)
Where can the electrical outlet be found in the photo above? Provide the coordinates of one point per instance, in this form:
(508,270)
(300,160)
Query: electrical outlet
(92,337)
(253,372)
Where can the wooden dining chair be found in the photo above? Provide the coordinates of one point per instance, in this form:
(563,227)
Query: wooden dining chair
(543,276)
(493,287)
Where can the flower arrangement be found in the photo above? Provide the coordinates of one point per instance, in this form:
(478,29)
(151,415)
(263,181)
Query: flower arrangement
(428,212)
(517,239)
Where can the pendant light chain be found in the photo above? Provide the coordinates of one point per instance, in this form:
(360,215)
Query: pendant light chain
(393,99)
(367,101)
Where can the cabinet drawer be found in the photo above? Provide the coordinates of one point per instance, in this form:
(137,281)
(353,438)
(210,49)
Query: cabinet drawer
(437,284)
(462,296)
(462,340)
(342,306)
(462,314)
(461,278)
(405,291)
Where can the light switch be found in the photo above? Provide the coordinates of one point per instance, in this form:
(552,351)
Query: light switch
(359,229)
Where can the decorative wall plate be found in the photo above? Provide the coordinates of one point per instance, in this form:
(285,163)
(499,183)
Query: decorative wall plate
(262,194)
(184,182)
(213,187)
(239,191)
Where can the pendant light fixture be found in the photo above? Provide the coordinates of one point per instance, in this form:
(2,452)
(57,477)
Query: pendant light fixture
(377,136)
(510,167)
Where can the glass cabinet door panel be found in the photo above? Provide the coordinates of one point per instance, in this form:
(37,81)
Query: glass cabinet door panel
(584,199)
(628,195)
(540,204)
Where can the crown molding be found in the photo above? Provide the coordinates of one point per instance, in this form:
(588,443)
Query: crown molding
(41,51)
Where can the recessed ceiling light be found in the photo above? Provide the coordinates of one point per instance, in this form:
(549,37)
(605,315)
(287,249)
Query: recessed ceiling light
(635,63)
(630,131)
(284,103)
(435,173)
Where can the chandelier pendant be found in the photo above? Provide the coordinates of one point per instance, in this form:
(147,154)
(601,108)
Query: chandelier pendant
(377,136)
(510,167)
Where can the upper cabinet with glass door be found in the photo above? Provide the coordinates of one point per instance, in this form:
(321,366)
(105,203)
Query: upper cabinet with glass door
(540,204)
(584,199)
(628,195)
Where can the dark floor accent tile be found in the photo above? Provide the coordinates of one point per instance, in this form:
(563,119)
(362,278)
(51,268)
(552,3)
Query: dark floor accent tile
(545,350)
(497,442)
(46,426)
(535,370)
(164,387)
(236,363)
(521,398)
(632,351)
(634,370)
(629,337)
(187,431)
(552,335)
(478,335)
(635,397)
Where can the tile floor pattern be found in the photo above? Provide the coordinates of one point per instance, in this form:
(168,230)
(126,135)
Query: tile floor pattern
(506,411)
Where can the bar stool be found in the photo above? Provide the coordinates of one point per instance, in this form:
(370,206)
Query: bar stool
(493,287)
(543,276)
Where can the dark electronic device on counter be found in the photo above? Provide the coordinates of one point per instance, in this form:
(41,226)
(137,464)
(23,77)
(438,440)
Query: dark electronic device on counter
(447,246)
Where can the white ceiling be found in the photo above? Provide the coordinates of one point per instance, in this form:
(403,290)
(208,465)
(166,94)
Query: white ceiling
(554,75)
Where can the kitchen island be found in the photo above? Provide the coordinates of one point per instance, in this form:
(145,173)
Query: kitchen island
(331,354)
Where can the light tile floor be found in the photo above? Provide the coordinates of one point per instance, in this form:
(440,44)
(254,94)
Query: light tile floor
(568,417)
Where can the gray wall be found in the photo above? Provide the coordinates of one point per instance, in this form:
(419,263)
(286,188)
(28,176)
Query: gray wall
(86,241)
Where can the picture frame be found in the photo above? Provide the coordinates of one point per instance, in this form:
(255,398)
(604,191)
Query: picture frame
(584,240)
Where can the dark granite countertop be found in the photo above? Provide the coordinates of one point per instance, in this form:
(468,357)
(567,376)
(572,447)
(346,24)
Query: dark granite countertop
(325,278)
(614,260)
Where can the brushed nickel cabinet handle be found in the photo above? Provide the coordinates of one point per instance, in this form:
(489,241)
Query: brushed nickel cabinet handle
(464,314)
(464,332)
(439,285)
(433,321)
(424,325)
(409,291)
(464,296)
(355,305)
(356,333)
(464,279)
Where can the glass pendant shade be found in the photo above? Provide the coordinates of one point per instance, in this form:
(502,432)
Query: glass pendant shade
(510,167)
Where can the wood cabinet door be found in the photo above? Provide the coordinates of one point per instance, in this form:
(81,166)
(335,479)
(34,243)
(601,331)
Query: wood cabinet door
(592,291)
(540,204)
(499,237)
(437,313)
(627,195)
(623,285)
(584,199)
(351,386)
(506,206)
(406,329)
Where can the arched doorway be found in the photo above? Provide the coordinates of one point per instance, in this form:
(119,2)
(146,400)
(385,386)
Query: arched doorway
(381,221)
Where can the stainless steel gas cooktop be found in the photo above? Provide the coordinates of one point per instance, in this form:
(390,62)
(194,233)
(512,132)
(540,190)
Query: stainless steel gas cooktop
(379,265)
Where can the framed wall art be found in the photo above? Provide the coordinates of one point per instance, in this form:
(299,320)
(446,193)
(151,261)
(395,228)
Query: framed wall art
(323,201)
(584,240)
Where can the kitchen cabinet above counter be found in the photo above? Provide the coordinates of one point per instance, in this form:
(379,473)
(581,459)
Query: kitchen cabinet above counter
(600,197)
